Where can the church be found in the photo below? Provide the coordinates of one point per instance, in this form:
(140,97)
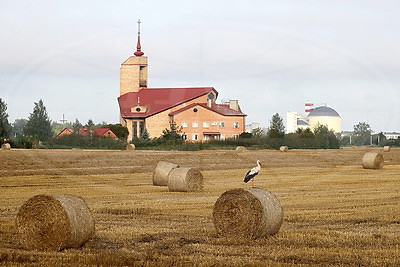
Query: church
(192,109)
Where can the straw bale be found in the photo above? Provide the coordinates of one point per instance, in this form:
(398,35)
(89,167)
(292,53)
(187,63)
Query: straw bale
(372,160)
(6,146)
(386,149)
(283,148)
(185,180)
(160,174)
(241,148)
(130,147)
(54,222)
(247,213)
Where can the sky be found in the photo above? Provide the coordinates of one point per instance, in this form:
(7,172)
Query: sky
(271,55)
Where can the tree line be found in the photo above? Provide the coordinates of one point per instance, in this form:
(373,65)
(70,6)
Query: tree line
(38,128)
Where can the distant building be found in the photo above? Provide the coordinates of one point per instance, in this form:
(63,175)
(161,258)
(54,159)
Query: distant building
(295,121)
(321,115)
(327,116)
(98,132)
(252,126)
(391,135)
(155,109)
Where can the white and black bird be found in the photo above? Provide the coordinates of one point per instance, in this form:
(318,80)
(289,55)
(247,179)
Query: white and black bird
(252,173)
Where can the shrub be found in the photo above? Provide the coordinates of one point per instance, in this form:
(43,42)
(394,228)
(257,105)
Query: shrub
(85,142)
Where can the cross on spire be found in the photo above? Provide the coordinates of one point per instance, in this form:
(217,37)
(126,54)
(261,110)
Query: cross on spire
(138,52)
(138,22)
(63,120)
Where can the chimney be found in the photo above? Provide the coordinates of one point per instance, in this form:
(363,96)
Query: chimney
(209,102)
(234,104)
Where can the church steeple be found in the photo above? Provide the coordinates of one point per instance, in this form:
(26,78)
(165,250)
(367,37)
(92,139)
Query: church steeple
(138,52)
(133,71)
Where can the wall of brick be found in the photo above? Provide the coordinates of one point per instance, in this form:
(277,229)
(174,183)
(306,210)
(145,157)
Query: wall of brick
(213,123)
(132,71)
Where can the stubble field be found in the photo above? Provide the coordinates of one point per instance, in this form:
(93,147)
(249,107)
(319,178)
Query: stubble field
(335,212)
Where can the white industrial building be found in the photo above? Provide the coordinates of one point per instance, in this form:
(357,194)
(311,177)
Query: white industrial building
(314,116)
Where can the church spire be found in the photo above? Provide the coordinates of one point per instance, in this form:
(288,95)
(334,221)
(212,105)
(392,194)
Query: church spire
(138,52)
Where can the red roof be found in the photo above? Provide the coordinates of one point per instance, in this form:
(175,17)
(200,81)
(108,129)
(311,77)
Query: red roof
(97,131)
(85,131)
(222,109)
(158,99)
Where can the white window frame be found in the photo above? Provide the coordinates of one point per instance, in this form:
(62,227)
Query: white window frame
(184,124)
(214,123)
(221,124)
(206,124)
(235,124)
(235,136)
(195,137)
(195,124)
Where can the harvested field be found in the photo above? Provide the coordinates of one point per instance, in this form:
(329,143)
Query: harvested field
(335,212)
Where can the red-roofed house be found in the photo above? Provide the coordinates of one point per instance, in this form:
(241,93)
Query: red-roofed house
(99,132)
(193,108)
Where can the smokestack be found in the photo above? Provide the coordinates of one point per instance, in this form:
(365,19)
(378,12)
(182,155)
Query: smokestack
(308,107)
(234,104)
(209,102)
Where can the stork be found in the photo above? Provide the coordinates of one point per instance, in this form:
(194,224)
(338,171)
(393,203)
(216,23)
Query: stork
(253,172)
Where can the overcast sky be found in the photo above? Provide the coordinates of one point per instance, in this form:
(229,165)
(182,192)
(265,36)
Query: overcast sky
(272,56)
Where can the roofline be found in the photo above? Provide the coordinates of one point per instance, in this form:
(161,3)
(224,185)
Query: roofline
(204,105)
(183,101)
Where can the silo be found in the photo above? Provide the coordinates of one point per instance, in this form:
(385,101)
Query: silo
(327,116)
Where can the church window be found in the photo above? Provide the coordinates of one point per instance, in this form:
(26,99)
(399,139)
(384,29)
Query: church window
(134,128)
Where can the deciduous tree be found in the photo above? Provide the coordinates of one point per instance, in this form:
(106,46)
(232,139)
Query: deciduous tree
(18,127)
(362,133)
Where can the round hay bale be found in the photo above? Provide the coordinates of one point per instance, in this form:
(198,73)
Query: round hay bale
(386,149)
(241,148)
(6,146)
(372,160)
(185,180)
(160,174)
(54,222)
(247,213)
(130,147)
(283,148)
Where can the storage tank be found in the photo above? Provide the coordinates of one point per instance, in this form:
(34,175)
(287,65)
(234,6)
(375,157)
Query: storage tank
(327,116)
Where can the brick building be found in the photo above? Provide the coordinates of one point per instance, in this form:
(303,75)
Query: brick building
(194,109)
